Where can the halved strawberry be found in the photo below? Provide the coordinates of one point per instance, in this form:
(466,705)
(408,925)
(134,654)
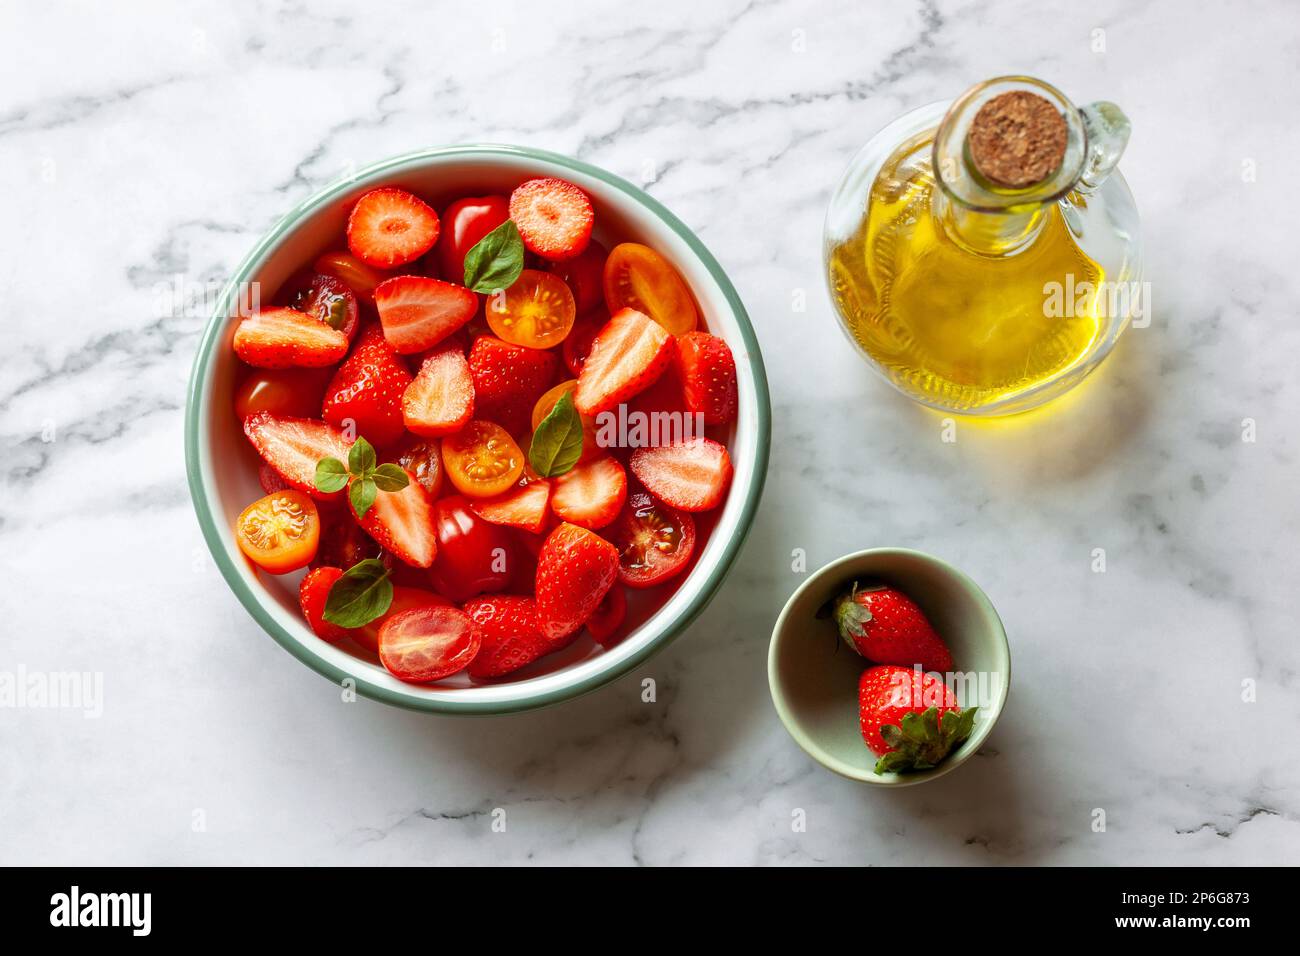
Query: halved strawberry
(428,643)
(575,570)
(293,446)
(418,312)
(367,390)
(590,494)
(554,217)
(313,592)
(523,506)
(402,523)
(692,475)
(511,638)
(508,381)
(389,227)
(281,337)
(628,355)
(441,399)
(270,479)
(605,621)
(708,373)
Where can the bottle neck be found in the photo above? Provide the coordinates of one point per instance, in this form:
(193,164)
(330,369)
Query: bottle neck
(984,233)
(993,198)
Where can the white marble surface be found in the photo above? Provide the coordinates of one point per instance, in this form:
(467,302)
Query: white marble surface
(149,143)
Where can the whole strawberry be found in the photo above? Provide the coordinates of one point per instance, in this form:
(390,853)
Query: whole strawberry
(511,638)
(508,381)
(575,570)
(367,389)
(910,719)
(708,373)
(884,625)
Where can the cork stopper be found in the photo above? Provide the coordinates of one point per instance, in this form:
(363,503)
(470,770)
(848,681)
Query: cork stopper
(1017,139)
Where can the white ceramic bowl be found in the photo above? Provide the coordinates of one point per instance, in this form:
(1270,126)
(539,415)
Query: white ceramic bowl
(222,467)
(814,680)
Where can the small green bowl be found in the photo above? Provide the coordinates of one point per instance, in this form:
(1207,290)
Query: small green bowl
(222,468)
(814,680)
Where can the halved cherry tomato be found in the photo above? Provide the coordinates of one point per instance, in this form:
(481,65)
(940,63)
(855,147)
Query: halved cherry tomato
(404,599)
(654,541)
(543,408)
(284,392)
(279,533)
(536,312)
(474,555)
(422,459)
(482,459)
(428,643)
(464,223)
(328,298)
(354,273)
(577,345)
(639,278)
(584,274)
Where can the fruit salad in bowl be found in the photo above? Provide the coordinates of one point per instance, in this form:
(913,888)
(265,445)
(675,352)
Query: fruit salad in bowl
(478,430)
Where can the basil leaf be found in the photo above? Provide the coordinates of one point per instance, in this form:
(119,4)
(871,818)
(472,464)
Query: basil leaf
(361,595)
(390,477)
(361,458)
(496,260)
(362,494)
(331,475)
(557,443)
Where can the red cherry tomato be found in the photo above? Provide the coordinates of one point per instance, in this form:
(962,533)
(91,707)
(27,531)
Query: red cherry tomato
(294,392)
(585,276)
(421,458)
(428,643)
(354,273)
(327,297)
(474,556)
(464,223)
(654,541)
(404,599)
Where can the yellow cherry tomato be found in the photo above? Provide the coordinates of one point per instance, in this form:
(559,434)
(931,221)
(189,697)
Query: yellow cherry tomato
(637,277)
(536,312)
(481,459)
(279,533)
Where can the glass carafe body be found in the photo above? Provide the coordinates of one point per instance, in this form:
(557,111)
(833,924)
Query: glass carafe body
(976,299)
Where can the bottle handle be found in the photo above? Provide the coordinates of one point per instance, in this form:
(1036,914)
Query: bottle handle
(1108,130)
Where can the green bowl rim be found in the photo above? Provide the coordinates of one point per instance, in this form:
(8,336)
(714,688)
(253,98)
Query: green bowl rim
(212,535)
(814,749)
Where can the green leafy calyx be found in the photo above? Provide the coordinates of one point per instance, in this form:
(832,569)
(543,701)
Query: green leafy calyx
(923,740)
